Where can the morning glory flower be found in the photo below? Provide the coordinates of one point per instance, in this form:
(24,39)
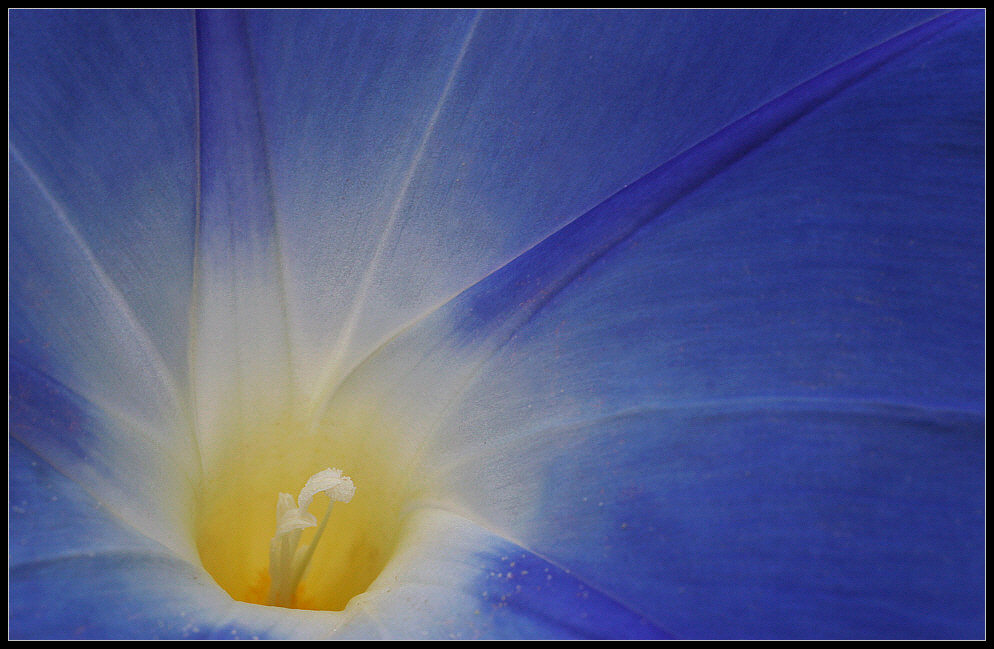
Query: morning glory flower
(496,324)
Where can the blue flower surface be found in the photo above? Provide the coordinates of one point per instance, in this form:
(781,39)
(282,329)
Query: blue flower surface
(625,324)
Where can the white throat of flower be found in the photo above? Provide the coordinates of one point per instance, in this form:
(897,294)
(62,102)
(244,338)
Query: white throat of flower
(287,562)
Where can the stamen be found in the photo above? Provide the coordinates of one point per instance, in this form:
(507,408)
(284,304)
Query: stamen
(287,562)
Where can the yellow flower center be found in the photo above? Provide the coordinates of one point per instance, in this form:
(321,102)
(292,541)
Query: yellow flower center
(236,516)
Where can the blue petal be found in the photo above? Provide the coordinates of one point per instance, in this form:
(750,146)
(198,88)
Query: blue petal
(413,153)
(69,320)
(453,579)
(43,503)
(78,571)
(756,368)
(102,119)
(144,481)
(526,596)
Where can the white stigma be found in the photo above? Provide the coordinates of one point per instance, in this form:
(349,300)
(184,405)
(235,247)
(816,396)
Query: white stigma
(287,562)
